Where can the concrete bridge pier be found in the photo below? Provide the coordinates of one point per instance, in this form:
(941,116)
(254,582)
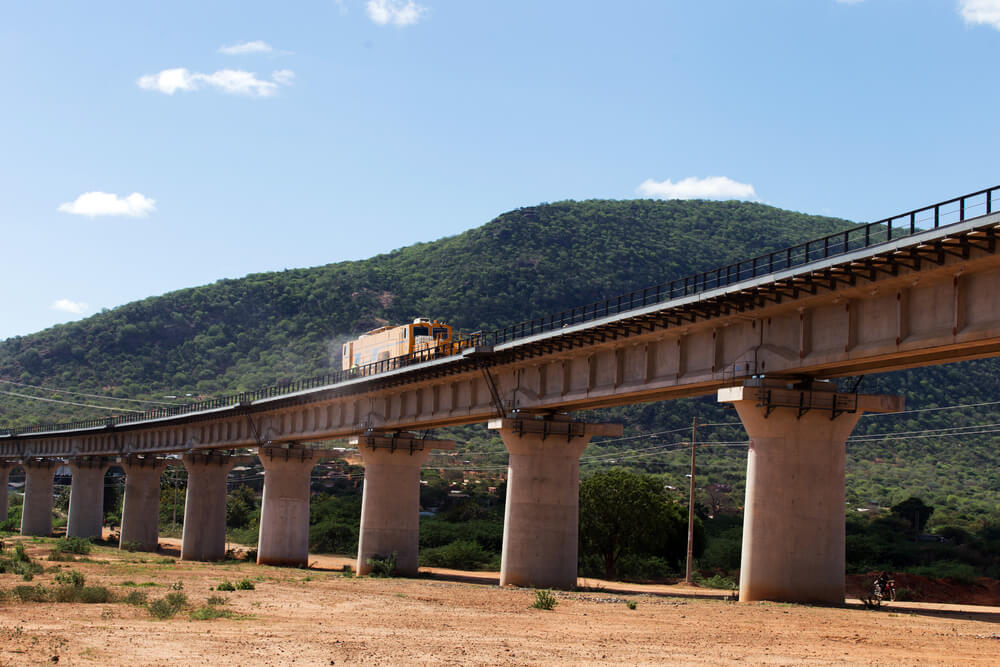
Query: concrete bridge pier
(793,522)
(141,508)
(284,511)
(86,497)
(5,468)
(541,521)
(390,504)
(204,535)
(36,515)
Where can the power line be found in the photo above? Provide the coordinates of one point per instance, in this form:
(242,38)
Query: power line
(80,405)
(80,393)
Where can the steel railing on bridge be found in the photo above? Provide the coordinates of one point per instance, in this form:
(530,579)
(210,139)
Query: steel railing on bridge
(868,235)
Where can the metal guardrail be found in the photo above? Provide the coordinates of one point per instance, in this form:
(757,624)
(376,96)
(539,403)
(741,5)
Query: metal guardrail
(942,214)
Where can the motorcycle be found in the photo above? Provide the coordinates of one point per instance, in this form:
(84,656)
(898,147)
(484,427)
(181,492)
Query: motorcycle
(883,592)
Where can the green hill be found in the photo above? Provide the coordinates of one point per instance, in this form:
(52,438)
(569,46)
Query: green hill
(263,329)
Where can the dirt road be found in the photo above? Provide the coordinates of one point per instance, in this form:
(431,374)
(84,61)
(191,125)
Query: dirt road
(319,616)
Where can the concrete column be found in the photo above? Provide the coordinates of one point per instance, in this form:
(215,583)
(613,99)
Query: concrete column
(284,511)
(541,521)
(86,497)
(141,508)
(390,504)
(793,520)
(36,515)
(204,536)
(5,467)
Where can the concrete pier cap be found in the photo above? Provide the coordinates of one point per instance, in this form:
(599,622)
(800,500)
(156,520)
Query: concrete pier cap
(390,501)
(794,515)
(542,515)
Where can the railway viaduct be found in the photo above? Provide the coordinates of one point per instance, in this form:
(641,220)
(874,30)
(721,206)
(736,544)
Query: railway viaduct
(767,334)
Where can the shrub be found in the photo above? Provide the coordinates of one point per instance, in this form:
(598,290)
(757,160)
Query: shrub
(64,593)
(161,609)
(717,581)
(168,606)
(176,599)
(95,594)
(61,556)
(71,578)
(74,545)
(208,613)
(544,599)
(137,598)
(20,555)
(250,555)
(36,593)
(216,599)
(245,585)
(459,555)
(226,585)
(382,566)
(631,604)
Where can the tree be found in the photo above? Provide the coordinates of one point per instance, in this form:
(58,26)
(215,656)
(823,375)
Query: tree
(915,511)
(623,513)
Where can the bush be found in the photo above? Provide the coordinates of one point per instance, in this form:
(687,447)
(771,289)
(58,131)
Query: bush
(161,609)
(245,585)
(176,599)
(226,585)
(61,557)
(36,593)
(459,555)
(631,604)
(71,578)
(168,606)
(382,566)
(95,594)
(74,545)
(716,581)
(216,599)
(137,598)
(208,613)
(544,599)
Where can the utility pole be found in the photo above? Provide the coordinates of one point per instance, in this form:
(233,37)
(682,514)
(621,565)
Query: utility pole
(690,554)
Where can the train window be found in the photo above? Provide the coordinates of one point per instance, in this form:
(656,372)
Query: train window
(404,332)
(421,331)
(440,332)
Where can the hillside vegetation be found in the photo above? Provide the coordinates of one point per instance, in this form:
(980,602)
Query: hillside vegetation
(239,334)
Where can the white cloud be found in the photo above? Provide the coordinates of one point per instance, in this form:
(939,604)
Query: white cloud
(715,187)
(979,12)
(395,12)
(168,81)
(283,76)
(67,306)
(245,48)
(92,204)
(235,81)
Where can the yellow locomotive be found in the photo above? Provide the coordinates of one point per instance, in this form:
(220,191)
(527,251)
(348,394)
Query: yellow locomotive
(422,338)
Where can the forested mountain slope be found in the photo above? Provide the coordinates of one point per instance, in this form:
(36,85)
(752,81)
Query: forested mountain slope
(263,329)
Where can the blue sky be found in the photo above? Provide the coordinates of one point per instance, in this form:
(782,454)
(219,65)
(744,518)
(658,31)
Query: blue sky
(147,147)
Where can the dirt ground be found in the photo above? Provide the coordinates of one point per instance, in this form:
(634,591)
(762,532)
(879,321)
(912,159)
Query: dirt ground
(318,616)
